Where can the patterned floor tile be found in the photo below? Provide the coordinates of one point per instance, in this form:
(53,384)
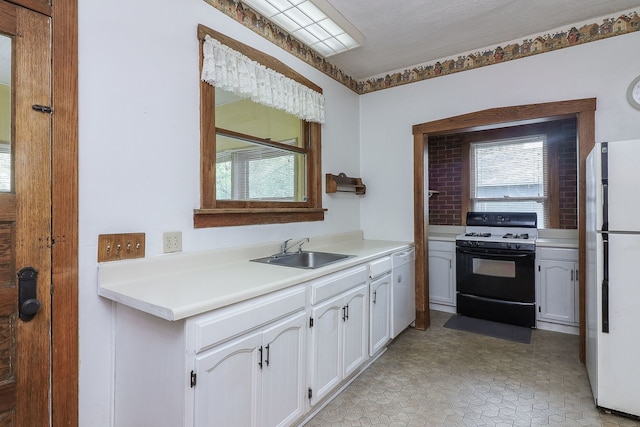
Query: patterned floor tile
(443,377)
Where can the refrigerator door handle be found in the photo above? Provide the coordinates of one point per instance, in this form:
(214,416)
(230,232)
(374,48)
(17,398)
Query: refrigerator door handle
(605,236)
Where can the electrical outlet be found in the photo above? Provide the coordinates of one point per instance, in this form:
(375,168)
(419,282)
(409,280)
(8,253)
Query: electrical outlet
(172,241)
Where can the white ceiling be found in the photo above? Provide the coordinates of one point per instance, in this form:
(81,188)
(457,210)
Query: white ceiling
(401,34)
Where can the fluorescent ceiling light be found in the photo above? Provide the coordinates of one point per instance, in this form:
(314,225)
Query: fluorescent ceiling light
(314,22)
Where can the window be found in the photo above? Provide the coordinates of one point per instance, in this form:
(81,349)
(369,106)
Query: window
(510,176)
(5,167)
(259,164)
(261,152)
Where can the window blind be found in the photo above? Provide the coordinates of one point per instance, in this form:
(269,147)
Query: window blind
(257,174)
(510,176)
(5,167)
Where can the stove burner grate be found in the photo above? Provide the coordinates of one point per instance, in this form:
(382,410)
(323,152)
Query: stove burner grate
(516,236)
(478,234)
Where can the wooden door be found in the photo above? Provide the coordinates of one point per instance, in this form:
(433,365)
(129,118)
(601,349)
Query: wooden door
(25,215)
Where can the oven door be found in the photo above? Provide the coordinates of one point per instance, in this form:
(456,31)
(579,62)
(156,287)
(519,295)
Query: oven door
(495,273)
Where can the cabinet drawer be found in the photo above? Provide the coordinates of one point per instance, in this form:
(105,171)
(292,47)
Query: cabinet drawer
(220,325)
(335,284)
(379,266)
(557,254)
(438,245)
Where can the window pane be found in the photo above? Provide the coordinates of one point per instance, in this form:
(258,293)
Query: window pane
(6,172)
(272,178)
(510,176)
(512,169)
(223,180)
(250,118)
(248,171)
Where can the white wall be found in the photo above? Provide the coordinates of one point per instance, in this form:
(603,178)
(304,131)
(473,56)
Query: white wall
(601,70)
(139,152)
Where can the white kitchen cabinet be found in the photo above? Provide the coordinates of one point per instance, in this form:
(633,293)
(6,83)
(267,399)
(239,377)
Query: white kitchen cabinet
(557,286)
(442,273)
(205,370)
(229,384)
(356,328)
(339,335)
(255,380)
(379,313)
(259,362)
(326,347)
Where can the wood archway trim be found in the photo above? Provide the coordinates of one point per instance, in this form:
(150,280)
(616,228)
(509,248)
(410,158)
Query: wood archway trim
(582,109)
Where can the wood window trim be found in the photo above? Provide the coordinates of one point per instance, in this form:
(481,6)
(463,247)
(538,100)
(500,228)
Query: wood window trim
(583,109)
(213,213)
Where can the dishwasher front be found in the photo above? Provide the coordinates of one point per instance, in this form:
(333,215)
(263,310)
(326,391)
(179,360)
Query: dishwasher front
(403,290)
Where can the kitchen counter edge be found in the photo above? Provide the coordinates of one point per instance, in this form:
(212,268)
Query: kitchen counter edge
(199,283)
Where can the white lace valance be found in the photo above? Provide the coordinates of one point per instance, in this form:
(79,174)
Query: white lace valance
(230,70)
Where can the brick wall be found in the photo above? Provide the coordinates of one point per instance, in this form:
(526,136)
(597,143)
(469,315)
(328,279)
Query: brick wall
(445,159)
(445,162)
(568,176)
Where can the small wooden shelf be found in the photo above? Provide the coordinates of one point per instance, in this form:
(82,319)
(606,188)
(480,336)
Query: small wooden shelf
(342,183)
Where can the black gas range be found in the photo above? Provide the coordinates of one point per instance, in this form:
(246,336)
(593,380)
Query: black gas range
(495,267)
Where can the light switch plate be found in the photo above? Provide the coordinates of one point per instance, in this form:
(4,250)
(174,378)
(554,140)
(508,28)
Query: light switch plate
(115,247)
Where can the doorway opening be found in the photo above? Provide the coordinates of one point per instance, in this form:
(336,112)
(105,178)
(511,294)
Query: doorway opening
(582,110)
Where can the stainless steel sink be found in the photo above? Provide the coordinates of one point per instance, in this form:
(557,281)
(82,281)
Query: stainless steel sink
(303,259)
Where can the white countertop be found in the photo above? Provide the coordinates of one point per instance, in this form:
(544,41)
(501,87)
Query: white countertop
(556,243)
(555,238)
(178,286)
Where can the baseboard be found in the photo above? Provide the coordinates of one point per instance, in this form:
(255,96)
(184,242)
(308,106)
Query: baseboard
(441,307)
(555,327)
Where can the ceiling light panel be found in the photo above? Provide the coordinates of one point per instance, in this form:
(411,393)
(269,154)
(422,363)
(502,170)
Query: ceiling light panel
(317,24)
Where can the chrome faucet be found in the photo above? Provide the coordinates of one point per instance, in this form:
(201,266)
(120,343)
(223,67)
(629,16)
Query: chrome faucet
(285,245)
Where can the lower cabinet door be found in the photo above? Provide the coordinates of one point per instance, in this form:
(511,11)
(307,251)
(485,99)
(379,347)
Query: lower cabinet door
(229,384)
(379,313)
(283,371)
(557,295)
(442,288)
(326,348)
(356,329)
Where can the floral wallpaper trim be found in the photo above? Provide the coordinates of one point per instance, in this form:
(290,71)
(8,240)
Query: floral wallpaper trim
(610,27)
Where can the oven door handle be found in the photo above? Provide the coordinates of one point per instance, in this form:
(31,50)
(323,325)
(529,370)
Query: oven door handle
(496,255)
(501,301)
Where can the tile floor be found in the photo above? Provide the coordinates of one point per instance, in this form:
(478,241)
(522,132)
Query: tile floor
(443,377)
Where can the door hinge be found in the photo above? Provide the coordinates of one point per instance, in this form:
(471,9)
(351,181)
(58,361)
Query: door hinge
(42,108)
(539,309)
(310,394)
(311,322)
(539,268)
(193,379)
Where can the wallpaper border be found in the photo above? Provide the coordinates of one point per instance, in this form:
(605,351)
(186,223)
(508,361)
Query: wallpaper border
(532,45)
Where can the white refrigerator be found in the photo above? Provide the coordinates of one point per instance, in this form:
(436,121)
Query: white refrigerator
(613,275)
